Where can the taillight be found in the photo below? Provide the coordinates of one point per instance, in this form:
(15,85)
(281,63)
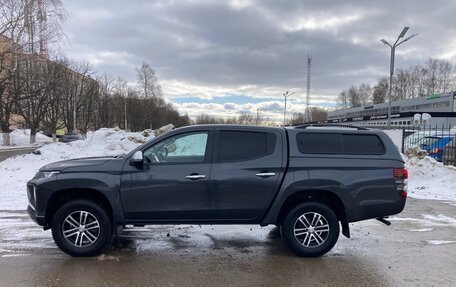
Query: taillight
(436,150)
(400,177)
(400,173)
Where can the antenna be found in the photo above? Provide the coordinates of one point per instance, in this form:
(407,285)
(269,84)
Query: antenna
(43,26)
(308,117)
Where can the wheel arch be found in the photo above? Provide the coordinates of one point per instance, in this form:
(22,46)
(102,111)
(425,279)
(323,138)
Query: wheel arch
(321,196)
(60,197)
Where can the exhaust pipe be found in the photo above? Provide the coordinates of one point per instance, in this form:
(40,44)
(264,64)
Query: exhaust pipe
(384,221)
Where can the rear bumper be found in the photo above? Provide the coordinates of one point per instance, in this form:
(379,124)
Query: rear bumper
(378,209)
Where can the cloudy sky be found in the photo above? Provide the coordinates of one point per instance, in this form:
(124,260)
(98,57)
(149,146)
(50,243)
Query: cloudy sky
(224,57)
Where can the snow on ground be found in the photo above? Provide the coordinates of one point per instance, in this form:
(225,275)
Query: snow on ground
(20,137)
(430,179)
(440,242)
(16,171)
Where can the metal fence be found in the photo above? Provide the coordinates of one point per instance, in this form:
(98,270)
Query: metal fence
(438,141)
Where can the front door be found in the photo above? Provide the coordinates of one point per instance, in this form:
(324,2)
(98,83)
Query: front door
(173,182)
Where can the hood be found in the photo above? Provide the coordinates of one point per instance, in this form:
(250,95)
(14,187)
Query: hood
(77,162)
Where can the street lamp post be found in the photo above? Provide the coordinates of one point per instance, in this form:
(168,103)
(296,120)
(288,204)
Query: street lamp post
(286,95)
(393,50)
(258,116)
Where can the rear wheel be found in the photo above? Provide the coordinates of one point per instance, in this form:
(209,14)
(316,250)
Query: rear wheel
(310,229)
(82,228)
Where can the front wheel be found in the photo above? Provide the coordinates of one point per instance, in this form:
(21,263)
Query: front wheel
(81,228)
(310,229)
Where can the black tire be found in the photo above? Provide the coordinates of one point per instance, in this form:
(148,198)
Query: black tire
(318,240)
(95,242)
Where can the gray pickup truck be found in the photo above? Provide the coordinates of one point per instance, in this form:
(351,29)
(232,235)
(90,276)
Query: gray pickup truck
(308,180)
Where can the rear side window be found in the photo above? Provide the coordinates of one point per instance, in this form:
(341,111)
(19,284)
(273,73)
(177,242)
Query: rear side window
(339,144)
(362,144)
(242,145)
(319,143)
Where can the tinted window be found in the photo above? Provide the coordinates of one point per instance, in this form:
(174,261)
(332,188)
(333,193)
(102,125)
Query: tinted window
(241,145)
(362,144)
(319,143)
(339,144)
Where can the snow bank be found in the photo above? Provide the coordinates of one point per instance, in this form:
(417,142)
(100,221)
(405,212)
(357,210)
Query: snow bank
(99,143)
(22,138)
(16,171)
(430,179)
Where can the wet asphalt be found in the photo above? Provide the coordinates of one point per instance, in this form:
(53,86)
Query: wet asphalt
(418,249)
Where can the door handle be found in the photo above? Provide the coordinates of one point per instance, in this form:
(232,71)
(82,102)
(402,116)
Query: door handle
(265,174)
(195,176)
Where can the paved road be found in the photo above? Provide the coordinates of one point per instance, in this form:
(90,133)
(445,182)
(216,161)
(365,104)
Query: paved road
(6,153)
(419,249)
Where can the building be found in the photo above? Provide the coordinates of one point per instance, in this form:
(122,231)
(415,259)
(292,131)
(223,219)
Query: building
(441,108)
(43,75)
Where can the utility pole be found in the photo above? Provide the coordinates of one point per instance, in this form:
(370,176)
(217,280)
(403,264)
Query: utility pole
(286,95)
(74,115)
(258,116)
(393,50)
(308,117)
(125,112)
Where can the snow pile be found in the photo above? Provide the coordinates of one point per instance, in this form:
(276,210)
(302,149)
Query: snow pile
(16,171)
(430,179)
(22,138)
(415,151)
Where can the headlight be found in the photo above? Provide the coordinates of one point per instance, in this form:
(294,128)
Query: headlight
(41,174)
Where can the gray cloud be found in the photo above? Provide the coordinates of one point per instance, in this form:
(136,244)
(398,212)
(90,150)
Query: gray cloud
(226,45)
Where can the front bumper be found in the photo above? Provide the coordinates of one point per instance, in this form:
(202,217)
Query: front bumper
(32,206)
(38,219)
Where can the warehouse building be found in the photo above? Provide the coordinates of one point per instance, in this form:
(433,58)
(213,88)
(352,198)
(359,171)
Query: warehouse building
(436,110)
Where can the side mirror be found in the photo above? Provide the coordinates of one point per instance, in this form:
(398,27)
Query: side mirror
(137,157)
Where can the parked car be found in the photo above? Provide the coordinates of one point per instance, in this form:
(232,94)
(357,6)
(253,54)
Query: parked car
(305,180)
(414,138)
(71,137)
(449,153)
(435,145)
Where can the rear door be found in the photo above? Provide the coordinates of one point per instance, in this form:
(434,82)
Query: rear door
(245,173)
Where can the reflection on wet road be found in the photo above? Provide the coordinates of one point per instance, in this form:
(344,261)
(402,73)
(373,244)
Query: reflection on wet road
(417,250)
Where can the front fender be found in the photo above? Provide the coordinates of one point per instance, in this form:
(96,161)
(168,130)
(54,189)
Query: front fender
(105,183)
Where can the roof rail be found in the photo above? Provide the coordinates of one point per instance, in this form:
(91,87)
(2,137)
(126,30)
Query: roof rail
(305,126)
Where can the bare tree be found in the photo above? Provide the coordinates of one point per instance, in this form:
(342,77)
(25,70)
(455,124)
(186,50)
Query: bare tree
(380,91)
(354,97)
(12,14)
(78,87)
(33,91)
(437,76)
(53,117)
(150,89)
(22,25)
(148,81)
(342,100)
(365,93)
